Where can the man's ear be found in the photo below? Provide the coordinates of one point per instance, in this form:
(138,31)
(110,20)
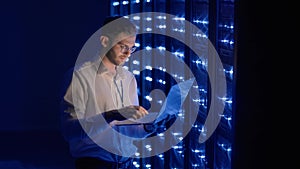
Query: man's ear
(104,40)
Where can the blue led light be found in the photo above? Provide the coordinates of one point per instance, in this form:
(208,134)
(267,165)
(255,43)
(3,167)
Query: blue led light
(115,3)
(148,78)
(125,2)
(200,21)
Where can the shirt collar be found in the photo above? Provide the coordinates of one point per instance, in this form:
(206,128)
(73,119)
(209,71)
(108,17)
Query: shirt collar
(119,70)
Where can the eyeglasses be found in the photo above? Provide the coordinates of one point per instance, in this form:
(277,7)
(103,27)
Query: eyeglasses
(125,48)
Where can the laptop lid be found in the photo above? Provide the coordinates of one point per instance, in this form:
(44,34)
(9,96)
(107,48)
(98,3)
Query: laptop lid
(171,105)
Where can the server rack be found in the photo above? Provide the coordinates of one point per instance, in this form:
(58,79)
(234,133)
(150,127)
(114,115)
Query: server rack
(215,19)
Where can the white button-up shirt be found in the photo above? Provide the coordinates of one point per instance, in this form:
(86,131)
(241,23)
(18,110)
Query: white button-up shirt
(92,91)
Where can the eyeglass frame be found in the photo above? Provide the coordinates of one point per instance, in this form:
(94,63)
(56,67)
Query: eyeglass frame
(125,48)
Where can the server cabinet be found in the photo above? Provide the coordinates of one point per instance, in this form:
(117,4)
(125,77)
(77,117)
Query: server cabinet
(215,20)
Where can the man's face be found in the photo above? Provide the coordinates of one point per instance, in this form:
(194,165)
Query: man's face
(119,53)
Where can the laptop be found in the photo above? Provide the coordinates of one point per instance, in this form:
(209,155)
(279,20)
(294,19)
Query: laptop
(171,105)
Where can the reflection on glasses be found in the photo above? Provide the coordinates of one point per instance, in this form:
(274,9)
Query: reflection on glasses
(125,48)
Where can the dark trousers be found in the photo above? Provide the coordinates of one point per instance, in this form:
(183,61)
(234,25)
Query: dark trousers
(94,163)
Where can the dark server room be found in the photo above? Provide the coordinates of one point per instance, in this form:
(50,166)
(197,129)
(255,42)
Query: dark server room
(224,121)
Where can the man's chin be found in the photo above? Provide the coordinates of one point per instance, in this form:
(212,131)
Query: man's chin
(121,64)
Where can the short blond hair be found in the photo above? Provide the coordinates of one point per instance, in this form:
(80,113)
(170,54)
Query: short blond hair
(115,25)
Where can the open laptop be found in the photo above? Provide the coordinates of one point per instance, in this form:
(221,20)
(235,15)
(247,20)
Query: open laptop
(171,105)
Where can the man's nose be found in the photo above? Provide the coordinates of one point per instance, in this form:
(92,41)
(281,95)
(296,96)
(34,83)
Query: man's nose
(127,53)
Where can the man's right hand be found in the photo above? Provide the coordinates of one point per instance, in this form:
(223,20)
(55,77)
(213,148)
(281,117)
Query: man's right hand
(134,112)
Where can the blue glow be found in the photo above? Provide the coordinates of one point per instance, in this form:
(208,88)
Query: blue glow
(227,41)
(148,67)
(115,3)
(148,78)
(200,35)
(179,54)
(161,134)
(179,18)
(148,98)
(202,156)
(196,151)
(136,62)
(161,48)
(227,26)
(161,81)
(195,165)
(136,18)
(125,2)
(161,17)
(161,26)
(148,48)
(201,21)
(136,72)
(162,69)
(148,29)
(225,147)
(137,44)
(178,30)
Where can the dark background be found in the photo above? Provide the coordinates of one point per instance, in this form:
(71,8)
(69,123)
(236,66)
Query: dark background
(40,40)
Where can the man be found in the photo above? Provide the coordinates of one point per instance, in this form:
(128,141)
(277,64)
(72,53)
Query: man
(100,94)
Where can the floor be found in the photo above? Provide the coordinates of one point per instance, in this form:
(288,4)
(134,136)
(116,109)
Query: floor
(34,150)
